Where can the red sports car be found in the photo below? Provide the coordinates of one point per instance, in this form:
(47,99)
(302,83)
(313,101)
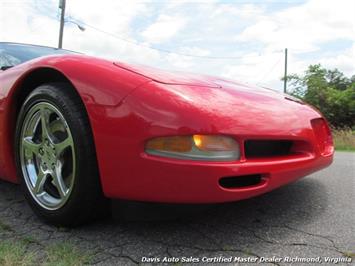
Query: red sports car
(77,130)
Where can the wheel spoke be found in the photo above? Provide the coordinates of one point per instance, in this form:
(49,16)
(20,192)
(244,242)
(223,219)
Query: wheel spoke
(41,179)
(58,180)
(45,124)
(61,146)
(30,146)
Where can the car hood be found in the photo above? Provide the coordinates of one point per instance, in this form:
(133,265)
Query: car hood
(230,105)
(190,79)
(241,90)
(169,77)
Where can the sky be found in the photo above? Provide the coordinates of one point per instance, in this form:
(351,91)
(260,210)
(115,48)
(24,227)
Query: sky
(237,39)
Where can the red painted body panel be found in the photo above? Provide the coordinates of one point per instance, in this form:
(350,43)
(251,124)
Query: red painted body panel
(128,105)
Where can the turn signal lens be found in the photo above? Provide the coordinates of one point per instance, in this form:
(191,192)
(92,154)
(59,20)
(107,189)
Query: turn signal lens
(173,144)
(214,143)
(196,147)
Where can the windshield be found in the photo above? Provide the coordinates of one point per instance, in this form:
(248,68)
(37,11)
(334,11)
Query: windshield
(12,54)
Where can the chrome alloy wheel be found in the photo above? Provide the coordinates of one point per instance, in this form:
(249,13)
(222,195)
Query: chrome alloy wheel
(47,156)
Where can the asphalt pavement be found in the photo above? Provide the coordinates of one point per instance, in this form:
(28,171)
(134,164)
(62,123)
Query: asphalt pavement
(311,218)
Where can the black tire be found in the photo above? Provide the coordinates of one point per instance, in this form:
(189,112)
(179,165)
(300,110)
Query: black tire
(86,200)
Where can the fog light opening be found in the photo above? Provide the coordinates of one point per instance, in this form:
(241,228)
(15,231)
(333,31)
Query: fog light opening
(243,181)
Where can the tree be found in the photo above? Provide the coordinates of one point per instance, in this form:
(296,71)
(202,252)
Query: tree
(328,90)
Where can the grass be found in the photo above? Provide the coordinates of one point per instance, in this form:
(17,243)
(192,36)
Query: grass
(349,254)
(15,253)
(344,139)
(64,254)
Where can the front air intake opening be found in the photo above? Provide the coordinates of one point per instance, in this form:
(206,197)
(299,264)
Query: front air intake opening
(267,148)
(240,181)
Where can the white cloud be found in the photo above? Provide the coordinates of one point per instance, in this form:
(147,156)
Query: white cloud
(194,51)
(256,68)
(111,15)
(302,28)
(19,23)
(245,11)
(164,28)
(185,62)
(345,61)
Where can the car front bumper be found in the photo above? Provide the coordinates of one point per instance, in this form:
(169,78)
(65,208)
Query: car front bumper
(172,181)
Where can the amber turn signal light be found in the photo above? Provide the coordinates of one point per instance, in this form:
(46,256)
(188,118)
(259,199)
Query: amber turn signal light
(195,147)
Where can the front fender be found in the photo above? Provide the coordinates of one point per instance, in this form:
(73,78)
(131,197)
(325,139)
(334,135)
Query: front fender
(97,81)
